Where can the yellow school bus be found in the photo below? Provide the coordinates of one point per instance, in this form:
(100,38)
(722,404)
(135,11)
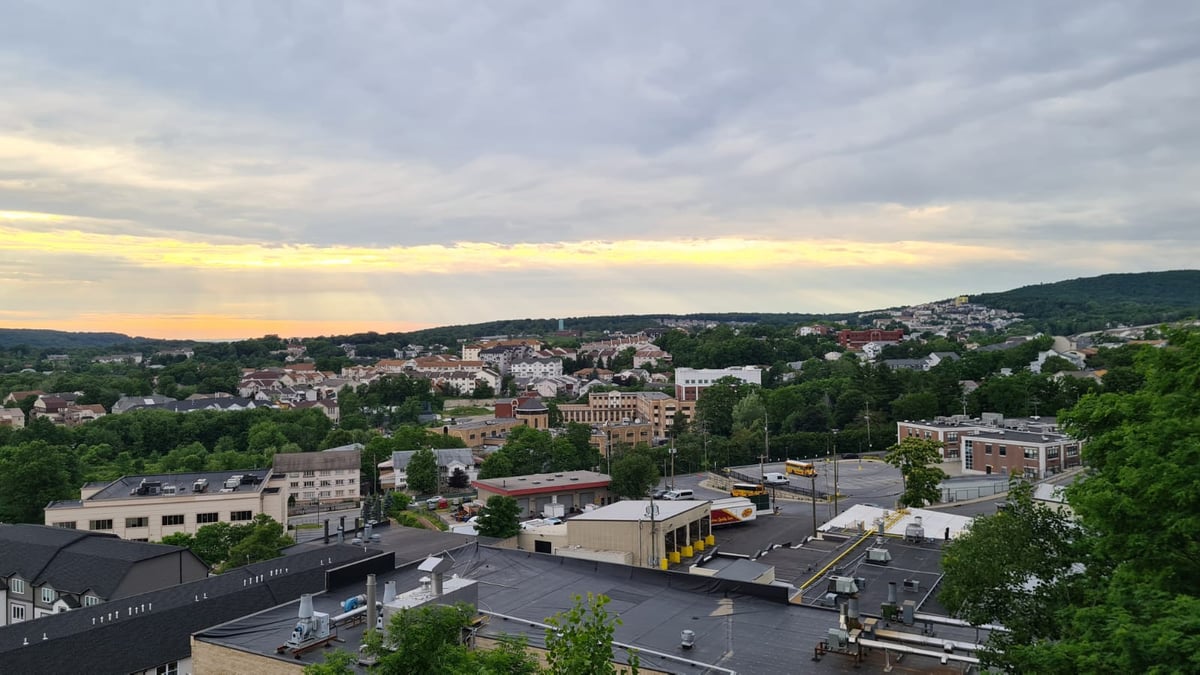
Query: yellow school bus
(795,467)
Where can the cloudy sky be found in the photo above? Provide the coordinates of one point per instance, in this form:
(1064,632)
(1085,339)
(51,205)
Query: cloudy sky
(231,169)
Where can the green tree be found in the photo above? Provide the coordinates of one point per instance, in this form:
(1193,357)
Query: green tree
(579,640)
(428,639)
(716,403)
(917,459)
(1011,568)
(500,518)
(422,472)
(337,662)
(31,476)
(262,542)
(633,474)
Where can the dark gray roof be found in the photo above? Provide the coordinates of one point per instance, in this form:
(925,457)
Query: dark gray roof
(905,364)
(737,627)
(121,487)
(147,630)
(217,403)
(74,561)
(532,404)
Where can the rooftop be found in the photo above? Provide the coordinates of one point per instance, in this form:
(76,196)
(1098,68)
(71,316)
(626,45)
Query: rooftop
(544,482)
(127,487)
(635,510)
(739,627)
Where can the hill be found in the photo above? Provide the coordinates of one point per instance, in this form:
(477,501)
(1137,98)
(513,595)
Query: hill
(1092,303)
(34,338)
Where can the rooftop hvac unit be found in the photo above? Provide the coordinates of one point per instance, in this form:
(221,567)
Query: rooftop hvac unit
(878,556)
(914,532)
(842,585)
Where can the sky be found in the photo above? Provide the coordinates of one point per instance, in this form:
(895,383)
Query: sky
(217,170)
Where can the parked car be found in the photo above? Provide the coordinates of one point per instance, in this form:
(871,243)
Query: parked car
(676,495)
(658,493)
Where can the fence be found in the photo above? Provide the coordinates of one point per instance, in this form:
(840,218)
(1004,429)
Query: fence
(954,493)
(738,476)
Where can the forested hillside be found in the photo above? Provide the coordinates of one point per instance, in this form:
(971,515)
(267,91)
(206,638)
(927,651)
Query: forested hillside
(57,339)
(1094,303)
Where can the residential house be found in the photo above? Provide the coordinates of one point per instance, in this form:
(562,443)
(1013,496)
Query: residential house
(448,460)
(12,417)
(533,367)
(16,397)
(126,403)
(855,339)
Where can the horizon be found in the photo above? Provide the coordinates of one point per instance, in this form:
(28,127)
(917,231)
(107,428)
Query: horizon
(321,168)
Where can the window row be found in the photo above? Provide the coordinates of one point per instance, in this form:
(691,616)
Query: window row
(169,520)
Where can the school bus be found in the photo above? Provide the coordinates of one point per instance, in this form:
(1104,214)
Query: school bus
(755,492)
(795,467)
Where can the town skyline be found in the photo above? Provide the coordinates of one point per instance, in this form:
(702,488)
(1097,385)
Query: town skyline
(229,170)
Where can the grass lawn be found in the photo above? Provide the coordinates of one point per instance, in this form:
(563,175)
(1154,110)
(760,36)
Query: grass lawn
(467,411)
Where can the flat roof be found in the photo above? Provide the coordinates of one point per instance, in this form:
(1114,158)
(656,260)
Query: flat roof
(634,510)
(539,483)
(734,630)
(121,487)
(934,522)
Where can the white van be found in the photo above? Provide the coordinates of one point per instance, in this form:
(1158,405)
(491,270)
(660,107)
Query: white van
(676,495)
(775,479)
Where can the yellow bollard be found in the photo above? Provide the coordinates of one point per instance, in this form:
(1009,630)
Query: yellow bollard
(687,551)
(662,563)
(710,540)
(699,544)
(674,556)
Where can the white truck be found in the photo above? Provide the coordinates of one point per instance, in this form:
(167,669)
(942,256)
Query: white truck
(732,510)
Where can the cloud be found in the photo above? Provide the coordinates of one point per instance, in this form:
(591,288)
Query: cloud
(615,145)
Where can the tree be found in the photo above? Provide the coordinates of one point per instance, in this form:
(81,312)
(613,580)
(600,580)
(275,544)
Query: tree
(263,540)
(916,457)
(32,475)
(633,474)
(500,518)
(337,662)
(459,480)
(422,472)
(579,640)
(1011,568)
(428,639)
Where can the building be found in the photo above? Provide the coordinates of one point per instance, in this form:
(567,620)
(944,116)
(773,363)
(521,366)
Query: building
(149,633)
(574,490)
(479,433)
(690,382)
(48,570)
(126,403)
(12,417)
(610,435)
(533,412)
(1032,447)
(150,507)
(616,407)
(393,473)
(536,367)
(637,533)
(328,476)
(855,339)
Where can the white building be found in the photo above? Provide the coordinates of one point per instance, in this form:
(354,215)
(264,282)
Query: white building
(689,382)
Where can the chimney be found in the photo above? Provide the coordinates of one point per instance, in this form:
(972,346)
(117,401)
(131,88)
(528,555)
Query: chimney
(389,592)
(370,601)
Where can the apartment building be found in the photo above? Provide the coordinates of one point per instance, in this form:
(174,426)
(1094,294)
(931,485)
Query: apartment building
(655,408)
(328,476)
(50,570)
(855,339)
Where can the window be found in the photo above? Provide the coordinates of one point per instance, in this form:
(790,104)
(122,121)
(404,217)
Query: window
(1072,450)
(171,668)
(1031,453)
(202,518)
(137,522)
(340,481)
(1052,453)
(241,515)
(66,524)
(105,524)
(987,449)
(294,484)
(16,586)
(173,520)
(309,474)
(90,601)
(1004,451)
(49,595)
(310,483)
(18,613)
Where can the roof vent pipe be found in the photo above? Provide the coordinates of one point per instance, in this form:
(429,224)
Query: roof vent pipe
(306,606)
(370,601)
(891,593)
(389,592)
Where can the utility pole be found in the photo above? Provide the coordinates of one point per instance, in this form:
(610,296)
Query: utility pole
(835,474)
(813,478)
(868,416)
(672,451)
